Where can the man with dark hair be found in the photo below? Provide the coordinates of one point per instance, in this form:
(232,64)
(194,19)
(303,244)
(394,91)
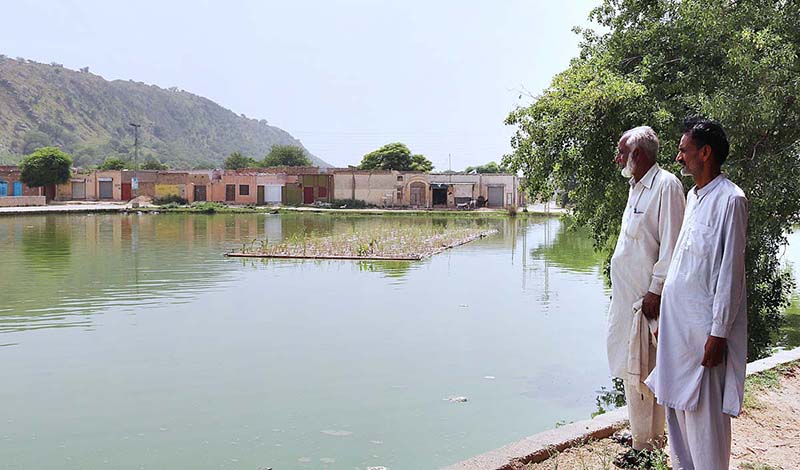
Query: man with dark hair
(702,354)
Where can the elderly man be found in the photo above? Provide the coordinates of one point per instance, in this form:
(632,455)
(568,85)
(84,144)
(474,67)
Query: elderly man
(650,226)
(702,354)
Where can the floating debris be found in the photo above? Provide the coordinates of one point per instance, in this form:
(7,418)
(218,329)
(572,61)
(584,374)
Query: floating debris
(456,399)
(489,377)
(337,433)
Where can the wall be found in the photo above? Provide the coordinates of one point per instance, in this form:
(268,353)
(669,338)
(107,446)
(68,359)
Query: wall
(21,201)
(10,174)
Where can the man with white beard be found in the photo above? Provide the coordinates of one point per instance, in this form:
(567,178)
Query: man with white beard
(702,354)
(650,226)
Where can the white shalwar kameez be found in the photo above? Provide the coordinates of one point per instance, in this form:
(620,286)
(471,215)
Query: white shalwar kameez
(650,226)
(704,294)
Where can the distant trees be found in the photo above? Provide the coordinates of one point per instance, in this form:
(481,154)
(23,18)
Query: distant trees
(113,163)
(237,161)
(45,166)
(286,155)
(395,156)
(490,167)
(152,163)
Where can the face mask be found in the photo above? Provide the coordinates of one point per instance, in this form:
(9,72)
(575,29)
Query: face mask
(629,169)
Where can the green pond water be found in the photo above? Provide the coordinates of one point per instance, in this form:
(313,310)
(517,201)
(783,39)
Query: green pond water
(130,342)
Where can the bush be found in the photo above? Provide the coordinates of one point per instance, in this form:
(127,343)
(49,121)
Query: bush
(207,207)
(348,204)
(170,199)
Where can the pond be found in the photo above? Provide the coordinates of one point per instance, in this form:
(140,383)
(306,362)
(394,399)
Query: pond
(131,342)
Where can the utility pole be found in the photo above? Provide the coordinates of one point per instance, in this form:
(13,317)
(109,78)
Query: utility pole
(135,181)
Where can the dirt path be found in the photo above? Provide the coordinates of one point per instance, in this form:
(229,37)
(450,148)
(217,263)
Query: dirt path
(766,436)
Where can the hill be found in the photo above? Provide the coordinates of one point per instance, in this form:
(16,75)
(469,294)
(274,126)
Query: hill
(89,117)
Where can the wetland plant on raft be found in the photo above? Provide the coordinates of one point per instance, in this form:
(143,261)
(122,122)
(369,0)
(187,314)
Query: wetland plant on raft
(399,241)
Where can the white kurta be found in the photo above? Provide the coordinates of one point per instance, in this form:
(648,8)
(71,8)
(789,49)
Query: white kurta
(704,294)
(650,226)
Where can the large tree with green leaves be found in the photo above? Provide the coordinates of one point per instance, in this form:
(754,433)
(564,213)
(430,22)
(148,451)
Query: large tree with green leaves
(395,156)
(237,161)
(660,60)
(113,163)
(45,166)
(286,155)
(491,167)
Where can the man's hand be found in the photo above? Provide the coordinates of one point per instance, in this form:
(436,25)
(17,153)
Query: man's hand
(651,306)
(715,351)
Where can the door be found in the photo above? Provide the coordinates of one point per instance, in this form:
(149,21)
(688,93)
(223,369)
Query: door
(260,195)
(230,192)
(439,196)
(495,196)
(126,191)
(273,195)
(79,190)
(417,194)
(200,192)
(308,195)
(106,190)
(17,188)
(3,188)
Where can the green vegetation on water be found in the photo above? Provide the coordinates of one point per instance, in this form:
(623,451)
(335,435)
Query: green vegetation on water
(396,241)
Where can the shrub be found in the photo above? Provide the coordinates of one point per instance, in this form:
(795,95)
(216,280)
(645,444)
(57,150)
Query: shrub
(170,199)
(207,207)
(348,204)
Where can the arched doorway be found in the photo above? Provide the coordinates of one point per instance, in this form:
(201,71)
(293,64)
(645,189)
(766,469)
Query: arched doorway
(416,193)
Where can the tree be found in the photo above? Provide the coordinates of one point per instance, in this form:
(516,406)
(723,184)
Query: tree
(395,156)
(490,167)
(286,155)
(113,163)
(420,163)
(45,166)
(237,161)
(650,68)
(153,163)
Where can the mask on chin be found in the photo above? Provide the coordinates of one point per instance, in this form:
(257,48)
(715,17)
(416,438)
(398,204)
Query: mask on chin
(630,167)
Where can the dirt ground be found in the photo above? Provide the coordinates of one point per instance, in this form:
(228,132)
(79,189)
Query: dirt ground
(766,436)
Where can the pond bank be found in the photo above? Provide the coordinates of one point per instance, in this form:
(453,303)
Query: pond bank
(758,436)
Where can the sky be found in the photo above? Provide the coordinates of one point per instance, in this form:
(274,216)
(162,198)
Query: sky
(343,76)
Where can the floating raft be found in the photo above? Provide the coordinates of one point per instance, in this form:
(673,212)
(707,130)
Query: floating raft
(367,257)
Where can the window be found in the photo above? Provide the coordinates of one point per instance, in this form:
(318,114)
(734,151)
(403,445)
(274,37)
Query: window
(244,190)
(322,191)
(230,192)
(399,177)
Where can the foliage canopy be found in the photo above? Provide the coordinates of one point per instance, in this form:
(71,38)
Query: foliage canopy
(491,167)
(45,166)
(113,163)
(660,61)
(395,156)
(237,161)
(286,155)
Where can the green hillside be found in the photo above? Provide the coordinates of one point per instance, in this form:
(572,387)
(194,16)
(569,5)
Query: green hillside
(88,116)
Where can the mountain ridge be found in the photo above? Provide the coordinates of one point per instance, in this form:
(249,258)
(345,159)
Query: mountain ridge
(89,117)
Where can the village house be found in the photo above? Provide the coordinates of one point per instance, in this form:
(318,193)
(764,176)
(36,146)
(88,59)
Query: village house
(13,192)
(385,188)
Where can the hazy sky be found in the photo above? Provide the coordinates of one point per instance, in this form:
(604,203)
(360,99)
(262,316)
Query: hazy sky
(343,76)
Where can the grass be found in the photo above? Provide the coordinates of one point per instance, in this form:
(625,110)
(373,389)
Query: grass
(390,242)
(761,382)
(756,466)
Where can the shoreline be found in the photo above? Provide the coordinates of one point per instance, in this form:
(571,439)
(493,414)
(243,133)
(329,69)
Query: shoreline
(537,210)
(541,446)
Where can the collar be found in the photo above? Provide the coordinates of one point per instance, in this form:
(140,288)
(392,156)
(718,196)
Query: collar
(700,193)
(648,178)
